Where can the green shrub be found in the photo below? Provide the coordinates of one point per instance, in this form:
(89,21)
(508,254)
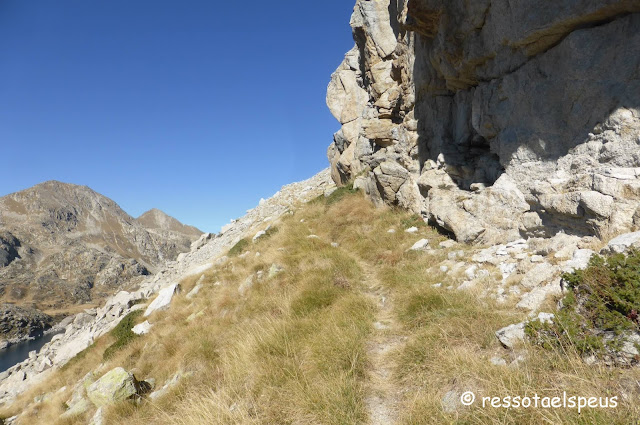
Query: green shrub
(238,248)
(605,297)
(122,333)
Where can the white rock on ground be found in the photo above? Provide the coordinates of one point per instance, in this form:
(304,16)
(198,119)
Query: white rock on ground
(246,285)
(511,335)
(163,299)
(540,273)
(533,300)
(142,328)
(579,261)
(421,245)
(196,288)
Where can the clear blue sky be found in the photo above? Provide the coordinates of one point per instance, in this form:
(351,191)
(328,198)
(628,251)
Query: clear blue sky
(199,107)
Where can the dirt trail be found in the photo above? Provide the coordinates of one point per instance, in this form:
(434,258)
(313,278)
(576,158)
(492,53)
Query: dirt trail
(383,398)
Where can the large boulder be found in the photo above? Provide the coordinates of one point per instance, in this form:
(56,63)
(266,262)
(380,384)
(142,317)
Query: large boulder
(116,385)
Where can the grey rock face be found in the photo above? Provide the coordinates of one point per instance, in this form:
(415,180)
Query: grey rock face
(496,120)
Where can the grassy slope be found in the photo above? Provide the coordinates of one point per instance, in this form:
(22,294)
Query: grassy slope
(313,344)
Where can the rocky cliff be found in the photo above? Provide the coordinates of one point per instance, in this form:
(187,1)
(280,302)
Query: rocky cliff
(496,120)
(62,244)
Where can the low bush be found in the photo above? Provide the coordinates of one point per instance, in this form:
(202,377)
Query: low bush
(122,333)
(599,308)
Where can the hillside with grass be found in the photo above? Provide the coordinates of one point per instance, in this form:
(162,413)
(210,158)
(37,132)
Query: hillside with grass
(333,316)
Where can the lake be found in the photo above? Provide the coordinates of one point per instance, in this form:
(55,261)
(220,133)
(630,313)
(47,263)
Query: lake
(17,353)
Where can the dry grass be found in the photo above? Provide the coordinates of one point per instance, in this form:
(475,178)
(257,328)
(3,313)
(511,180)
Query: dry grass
(292,350)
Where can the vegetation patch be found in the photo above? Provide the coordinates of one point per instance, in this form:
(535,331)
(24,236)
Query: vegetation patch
(239,247)
(122,333)
(599,310)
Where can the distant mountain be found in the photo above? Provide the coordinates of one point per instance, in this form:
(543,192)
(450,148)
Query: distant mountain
(63,244)
(158,221)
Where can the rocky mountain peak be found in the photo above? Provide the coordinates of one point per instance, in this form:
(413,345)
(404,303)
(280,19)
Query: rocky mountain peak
(159,220)
(63,244)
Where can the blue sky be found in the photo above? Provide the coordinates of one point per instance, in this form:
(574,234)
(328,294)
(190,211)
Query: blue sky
(199,108)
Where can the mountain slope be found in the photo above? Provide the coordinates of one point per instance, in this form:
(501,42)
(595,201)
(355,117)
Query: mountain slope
(338,321)
(63,244)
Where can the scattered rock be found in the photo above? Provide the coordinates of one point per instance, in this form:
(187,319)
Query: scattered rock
(196,288)
(163,300)
(540,273)
(274,270)
(470,272)
(451,401)
(498,361)
(510,335)
(421,245)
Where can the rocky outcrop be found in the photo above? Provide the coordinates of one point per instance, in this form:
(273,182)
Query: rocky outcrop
(62,244)
(495,120)
(17,322)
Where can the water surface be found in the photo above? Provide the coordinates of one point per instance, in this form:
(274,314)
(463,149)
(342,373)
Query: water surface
(17,353)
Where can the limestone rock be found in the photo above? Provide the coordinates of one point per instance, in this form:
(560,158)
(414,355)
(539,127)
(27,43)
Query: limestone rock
(196,289)
(274,270)
(539,274)
(246,285)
